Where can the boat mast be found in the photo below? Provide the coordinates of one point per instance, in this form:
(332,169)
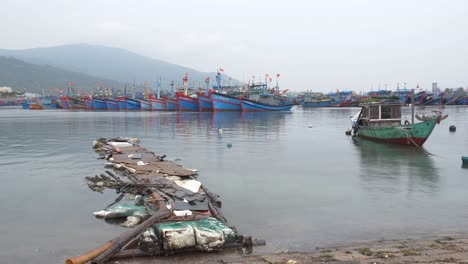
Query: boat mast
(158,87)
(207,86)
(185,80)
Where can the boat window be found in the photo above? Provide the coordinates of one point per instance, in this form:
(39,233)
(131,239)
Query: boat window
(374,112)
(386,112)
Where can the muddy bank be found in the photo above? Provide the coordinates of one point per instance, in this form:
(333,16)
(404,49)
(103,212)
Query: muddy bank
(437,249)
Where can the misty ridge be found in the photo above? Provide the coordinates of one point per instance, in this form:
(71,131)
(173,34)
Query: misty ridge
(88,65)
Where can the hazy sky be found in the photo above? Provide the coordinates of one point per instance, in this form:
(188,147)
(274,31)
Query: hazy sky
(318,45)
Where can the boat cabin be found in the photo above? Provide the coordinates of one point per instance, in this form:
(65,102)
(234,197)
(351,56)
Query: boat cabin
(381,114)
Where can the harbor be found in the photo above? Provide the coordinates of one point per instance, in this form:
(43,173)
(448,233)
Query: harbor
(379,191)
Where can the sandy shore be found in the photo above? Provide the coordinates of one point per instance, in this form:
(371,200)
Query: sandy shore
(439,249)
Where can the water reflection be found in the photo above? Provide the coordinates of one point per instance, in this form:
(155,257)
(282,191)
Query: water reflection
(393,168)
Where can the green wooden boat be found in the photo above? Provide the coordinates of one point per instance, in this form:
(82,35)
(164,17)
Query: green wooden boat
(382,121)
(465,160)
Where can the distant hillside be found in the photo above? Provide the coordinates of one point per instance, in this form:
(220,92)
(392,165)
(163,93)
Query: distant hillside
(21,76)
(111,63)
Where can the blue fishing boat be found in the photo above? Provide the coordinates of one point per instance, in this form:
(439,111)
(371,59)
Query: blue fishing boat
(145,105)
(122,103)
(76,103)
(204,103)
(186,103)
(99,104)
(225,103)
(88,103)
(132,104)
(158,104)
(257,106)
(112,104)
(204,99)
(171,104)
(462,101)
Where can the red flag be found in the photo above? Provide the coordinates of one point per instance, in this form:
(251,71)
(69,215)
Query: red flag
(71,83)
(271,79)
(266,75)
(221,69)
(277,75)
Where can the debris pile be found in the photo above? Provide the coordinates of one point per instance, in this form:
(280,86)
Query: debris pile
(169,209)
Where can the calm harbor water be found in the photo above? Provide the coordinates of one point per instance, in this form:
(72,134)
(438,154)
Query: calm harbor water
(295,186)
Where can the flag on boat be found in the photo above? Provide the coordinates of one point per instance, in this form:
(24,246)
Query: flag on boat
(221,69)
(277,75)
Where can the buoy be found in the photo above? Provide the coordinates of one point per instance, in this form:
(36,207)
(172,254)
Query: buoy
(220,131)
(452,128)
(310,126)
(229,145)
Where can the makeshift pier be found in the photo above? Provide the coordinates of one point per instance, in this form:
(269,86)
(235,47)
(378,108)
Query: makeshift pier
(170,210)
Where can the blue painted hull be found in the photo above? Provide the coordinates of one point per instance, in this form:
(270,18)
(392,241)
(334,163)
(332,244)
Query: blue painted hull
(25,105)
(187,103)
(112,104)
(462,101)
(88,104)
(225,103)
(171,104)
(133,104)
(317,104)
(252,106)
(204,103)
(145,105)
(123,104)
(158,104)
(99,104)
(50,106)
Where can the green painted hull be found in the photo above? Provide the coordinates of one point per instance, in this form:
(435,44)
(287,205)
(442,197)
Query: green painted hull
(415,134)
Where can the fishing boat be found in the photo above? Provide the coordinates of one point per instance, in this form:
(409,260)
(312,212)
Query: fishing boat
(75,103)
(99,104)
(204,99)
(145,105)
(112,104)
(382,122)
(465,160)
(225,103)
(171,104)
(184,101)
(260,105)
(158,104)
(35,106)
(132,104)
(122,102)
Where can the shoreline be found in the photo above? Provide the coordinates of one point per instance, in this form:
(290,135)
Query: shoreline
(447,248)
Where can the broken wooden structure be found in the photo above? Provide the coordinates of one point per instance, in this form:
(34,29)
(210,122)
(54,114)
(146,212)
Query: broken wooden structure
(171,212)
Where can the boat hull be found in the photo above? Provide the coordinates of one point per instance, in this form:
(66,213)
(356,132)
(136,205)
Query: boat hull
(317,104)
(99,104)
(225,103)
(171,104)
(158,104)
(112,104)
(186,103)
(145,105)
(132,104)
(204,103)
(252,106)
(415,134)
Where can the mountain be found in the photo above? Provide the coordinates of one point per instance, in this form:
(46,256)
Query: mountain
(21,76)
(111,63)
